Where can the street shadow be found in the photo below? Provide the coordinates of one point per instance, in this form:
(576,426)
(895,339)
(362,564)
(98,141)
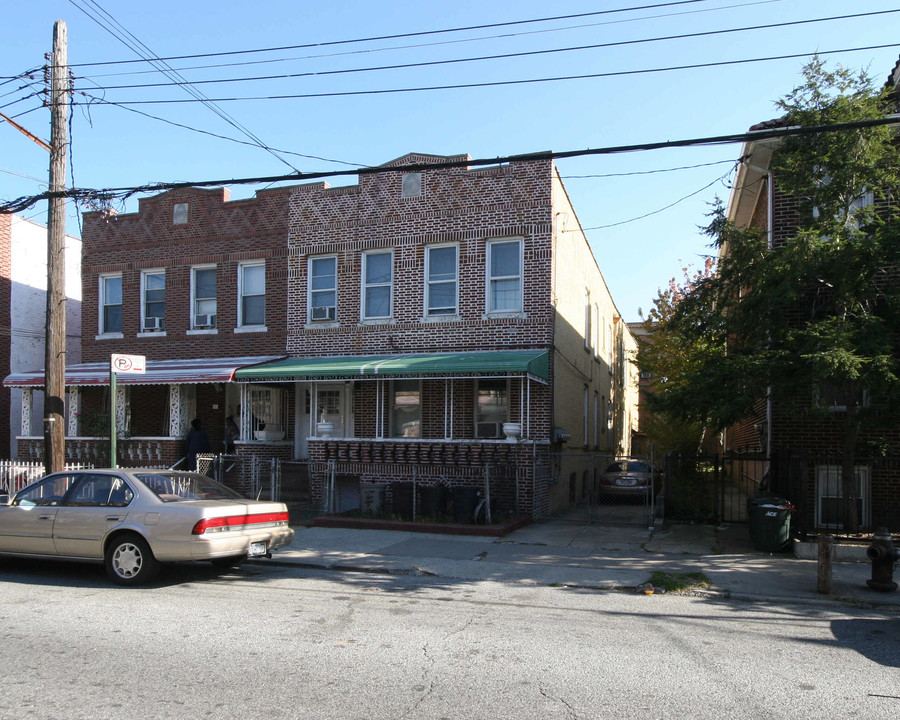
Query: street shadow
(876,639)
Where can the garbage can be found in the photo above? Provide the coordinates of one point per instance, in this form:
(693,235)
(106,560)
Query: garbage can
(770,522)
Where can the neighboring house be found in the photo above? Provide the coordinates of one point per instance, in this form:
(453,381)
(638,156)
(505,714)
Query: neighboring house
(805,455)
(23,316)
(442,328)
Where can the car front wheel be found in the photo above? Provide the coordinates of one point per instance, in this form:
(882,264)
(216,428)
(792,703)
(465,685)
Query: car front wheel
(129,561)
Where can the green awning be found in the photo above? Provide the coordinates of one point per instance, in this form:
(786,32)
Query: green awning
(497,363)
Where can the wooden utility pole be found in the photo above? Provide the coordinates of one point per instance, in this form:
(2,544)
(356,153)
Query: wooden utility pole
(55,341)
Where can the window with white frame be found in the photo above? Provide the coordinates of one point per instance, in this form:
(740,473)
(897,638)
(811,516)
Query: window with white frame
(491,407)
(203,297)
(587,320)
(406,409)
(830,496)
(252,294)
(596,419)
(268,412)
(323,289)
(504,276)
(153,300)
(377,279)
(441,280)
(110,304)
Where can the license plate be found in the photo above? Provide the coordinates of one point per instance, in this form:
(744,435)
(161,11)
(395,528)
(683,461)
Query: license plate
(256,549)
(626,481)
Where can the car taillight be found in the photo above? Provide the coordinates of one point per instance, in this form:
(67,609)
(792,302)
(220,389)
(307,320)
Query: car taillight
(230,522)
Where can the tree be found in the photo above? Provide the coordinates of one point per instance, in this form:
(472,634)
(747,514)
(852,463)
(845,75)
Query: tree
(817,314)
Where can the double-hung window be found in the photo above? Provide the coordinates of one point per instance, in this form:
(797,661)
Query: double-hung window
(441,280)
(323,289)
(203,297)
(504,276)
(153,305)
(377,279)
(252,294)
(110,304)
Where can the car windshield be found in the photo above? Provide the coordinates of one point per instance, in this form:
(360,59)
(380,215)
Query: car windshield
(628,466)
(178,487)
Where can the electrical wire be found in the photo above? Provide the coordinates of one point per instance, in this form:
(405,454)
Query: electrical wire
(508,56)
(125,192)
(417,46)
(646,172)
(140,48)
(501,83)
(398,36)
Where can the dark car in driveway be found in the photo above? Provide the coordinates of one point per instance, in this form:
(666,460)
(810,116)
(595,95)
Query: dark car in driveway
(627,479)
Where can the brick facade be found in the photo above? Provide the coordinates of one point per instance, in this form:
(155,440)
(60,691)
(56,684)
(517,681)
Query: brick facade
(563,308)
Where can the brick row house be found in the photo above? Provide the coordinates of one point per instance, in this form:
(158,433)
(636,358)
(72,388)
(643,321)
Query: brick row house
(446,329)
(805,455)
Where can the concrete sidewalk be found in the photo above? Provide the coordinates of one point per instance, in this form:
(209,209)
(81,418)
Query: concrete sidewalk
(578,554)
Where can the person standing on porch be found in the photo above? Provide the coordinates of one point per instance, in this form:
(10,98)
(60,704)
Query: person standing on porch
(196,442)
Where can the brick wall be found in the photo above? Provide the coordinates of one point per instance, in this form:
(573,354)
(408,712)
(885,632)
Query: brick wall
(217,231)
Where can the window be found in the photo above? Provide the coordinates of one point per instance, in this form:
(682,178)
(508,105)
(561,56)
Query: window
(377,274)
(596,419)
(110,304)
(587,320)
(252,294)
(203,297)
(97,490)
(323,289)
(406,409)
(491,407)
(833,396)
(441,273)
(830,496)
(584,417)
(180,214)
(504,285)
(153,306)
(48,492)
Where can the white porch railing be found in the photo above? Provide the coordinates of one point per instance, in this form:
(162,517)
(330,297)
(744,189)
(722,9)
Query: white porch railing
(16,474)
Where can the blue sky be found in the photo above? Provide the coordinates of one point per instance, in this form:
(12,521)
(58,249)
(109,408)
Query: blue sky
(116,147)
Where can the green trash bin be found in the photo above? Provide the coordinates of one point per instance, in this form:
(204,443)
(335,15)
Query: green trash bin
(770,522)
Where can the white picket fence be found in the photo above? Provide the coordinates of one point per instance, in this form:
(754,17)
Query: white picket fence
(16,474)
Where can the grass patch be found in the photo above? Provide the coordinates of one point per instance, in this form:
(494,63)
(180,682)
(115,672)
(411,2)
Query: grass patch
(678,582)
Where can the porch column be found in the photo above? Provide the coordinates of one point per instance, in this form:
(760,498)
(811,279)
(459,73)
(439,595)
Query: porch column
(74,410)
(121,408)
(27,404)
(177,411)
(246,413)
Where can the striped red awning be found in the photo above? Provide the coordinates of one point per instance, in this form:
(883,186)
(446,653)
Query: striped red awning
(159,372)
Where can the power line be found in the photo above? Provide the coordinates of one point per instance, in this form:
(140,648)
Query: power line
(500,83)
(646,172)
(398,36)
(507,56)
(125,192)
(482,38)
(140,48)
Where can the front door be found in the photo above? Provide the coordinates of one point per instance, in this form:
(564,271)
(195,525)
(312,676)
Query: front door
(96,506)
(331,411)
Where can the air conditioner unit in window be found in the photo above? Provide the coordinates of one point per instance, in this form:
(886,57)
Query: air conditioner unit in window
(323,313)
(204,321)
(153,323)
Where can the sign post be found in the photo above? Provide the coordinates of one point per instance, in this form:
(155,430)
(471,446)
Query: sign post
(136,364)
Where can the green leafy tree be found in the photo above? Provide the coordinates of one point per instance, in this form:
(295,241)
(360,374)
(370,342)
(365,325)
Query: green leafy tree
(818,314)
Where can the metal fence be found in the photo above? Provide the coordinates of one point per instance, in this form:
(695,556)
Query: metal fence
(589,499)
(716,488)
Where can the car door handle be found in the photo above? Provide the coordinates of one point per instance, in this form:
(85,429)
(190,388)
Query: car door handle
(45,517)
(113,518)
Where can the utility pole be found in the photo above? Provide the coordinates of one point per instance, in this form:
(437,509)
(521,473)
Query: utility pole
(55,341)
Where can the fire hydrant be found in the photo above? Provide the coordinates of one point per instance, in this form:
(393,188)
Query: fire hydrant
(883,555)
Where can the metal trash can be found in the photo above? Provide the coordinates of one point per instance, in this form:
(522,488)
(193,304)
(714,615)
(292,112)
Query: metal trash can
(770,522)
